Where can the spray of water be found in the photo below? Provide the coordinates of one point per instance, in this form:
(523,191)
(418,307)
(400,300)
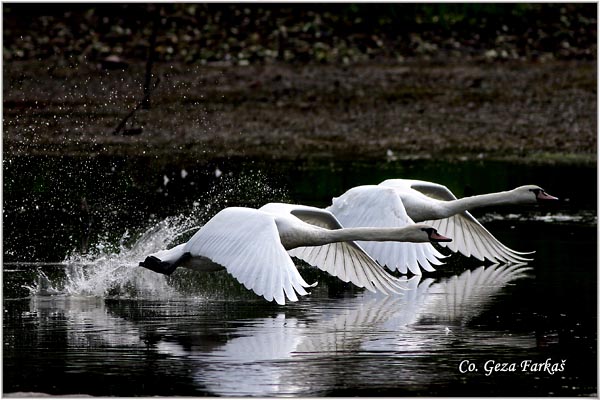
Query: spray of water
(105,271)
(112,270)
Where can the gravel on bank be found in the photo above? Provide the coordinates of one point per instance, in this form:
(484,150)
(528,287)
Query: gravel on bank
(530,111)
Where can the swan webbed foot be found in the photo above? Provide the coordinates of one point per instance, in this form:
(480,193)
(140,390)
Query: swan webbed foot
(154,264)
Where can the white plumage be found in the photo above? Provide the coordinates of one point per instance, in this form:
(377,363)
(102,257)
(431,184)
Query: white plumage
(252,245)
(247,243)
(396,202)
(372,205)
(345,260)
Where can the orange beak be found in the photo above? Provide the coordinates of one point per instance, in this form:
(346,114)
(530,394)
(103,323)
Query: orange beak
(436,237)
(543,196)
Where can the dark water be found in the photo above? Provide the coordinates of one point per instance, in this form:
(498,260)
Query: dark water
(94,324)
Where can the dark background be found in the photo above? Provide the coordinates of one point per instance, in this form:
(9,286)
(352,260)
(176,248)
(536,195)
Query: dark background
(299,33)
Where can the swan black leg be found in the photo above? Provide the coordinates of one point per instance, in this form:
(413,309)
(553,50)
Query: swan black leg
(154,264)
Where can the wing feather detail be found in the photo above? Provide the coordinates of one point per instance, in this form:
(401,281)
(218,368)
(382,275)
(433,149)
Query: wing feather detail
(378,206)
(349,263)
(246,242)
(345,260)
(433,190)
(470,238)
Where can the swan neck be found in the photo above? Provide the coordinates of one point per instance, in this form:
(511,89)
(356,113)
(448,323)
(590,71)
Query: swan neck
(366,234)
(472,202)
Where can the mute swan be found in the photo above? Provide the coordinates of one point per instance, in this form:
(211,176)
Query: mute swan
(251,245)
(342,259)
(378,206)
(435,205)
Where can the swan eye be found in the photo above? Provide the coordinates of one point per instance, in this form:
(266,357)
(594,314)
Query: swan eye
(536,191)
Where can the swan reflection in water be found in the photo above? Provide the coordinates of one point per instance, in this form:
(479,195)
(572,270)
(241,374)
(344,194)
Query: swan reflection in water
(259,356)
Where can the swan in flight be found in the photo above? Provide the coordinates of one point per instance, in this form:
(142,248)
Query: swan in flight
(252,245)
(398,202)
(377,206)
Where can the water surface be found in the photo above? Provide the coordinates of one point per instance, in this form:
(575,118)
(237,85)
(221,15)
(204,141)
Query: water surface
(81,318)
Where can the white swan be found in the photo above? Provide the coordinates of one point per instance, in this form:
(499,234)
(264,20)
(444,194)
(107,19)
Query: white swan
(378,206)
(396,202)
(346,260)
(252,246)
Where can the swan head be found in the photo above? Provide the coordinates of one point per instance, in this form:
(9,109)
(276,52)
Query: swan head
(529,194)
(426,233)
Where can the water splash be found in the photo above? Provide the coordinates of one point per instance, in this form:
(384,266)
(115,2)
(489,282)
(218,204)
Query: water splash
(110,266)
(108,272)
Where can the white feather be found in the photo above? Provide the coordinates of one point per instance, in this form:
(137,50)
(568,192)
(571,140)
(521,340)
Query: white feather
(346,260)
(470,238)
(377,206)
(247,243)
(251,245)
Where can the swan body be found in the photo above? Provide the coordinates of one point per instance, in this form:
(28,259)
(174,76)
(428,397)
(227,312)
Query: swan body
(437,206)
(252,245)
(373,205)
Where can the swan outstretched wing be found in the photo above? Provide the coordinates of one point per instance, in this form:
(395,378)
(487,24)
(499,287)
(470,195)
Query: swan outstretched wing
(311,215)
(429,189)
(246,242)
(470,238)
(348,262)
(377,206)
(473,239)
(345,260)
